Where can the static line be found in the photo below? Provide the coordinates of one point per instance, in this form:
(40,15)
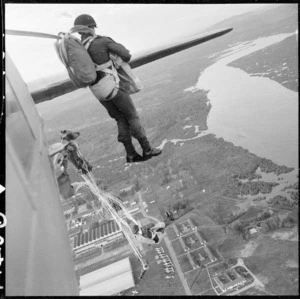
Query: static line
(31,33)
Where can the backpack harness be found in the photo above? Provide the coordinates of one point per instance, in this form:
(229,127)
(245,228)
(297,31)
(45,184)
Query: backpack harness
(108,68)
(83,71)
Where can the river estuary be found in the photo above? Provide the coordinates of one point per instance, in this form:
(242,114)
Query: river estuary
(254,112)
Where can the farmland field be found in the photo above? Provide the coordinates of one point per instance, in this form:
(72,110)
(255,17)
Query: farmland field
(184,263)
(177,247)
(198,281)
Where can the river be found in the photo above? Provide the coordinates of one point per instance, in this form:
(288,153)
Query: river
(256,113)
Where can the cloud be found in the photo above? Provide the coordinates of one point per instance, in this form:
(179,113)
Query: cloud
(137,26)
(66,14)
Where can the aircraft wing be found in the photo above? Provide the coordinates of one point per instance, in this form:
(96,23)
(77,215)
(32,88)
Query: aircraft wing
(54,90)
(156,54)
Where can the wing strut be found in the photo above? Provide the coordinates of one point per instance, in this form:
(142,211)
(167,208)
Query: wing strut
(31,33)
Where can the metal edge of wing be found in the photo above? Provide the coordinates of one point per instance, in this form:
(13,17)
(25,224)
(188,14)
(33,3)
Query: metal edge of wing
(66,86)
(175,47)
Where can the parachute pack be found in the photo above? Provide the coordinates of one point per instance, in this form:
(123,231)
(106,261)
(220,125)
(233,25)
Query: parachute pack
(74,56)
(128,81)
(82,70)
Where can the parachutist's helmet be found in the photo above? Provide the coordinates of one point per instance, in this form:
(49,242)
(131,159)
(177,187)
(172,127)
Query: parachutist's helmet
(85,20)
(135,229)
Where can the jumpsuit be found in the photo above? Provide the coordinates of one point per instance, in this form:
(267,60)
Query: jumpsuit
(121,107)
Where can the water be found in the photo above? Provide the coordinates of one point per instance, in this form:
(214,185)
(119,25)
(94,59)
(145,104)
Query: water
(284,181)
(253,112)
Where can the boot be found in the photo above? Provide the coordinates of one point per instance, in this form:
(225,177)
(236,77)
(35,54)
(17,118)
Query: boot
(148,150)
(135,158)
(131,154)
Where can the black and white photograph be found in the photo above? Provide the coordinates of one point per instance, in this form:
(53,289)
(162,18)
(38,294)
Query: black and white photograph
(149,149)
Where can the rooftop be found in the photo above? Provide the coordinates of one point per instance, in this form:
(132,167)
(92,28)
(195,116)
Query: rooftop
(109,280)
(94,234)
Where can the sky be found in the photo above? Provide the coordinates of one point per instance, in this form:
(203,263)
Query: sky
(137,26)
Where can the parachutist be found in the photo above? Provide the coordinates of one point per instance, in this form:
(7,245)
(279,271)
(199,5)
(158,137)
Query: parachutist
(152,233)
(146,266)
(73,154)
(113,83)
(63,152)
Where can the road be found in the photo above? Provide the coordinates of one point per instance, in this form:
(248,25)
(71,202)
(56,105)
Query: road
(170,248)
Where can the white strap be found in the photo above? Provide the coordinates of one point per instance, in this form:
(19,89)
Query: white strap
(105,69)
(113,72)
(87,39)
(103,66)
(87,42)
(81,28)
(60,48)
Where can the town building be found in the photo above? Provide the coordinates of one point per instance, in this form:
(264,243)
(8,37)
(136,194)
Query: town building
(191,240)
(185,227)
(253,230)
(108,281)
(210,255)
(73,231)
(230,284)
(201,239)
(126,190)
(97,236)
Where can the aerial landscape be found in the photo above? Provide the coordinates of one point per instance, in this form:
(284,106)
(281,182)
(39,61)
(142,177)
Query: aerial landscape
(225,114)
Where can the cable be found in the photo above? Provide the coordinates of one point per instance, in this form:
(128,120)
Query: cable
(106,200)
